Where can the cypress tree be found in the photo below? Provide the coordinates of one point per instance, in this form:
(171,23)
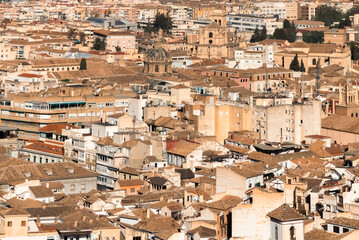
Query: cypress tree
(302,67)
(83,64)
(294,65)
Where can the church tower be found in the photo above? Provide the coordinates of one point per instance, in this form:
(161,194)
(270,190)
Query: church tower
(286,224)
(348,98)
(219,17)
(348,95)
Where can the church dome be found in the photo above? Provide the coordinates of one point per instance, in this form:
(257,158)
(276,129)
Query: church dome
(157,54)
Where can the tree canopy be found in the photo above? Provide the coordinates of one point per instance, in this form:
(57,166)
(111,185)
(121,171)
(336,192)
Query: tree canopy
(162,21)
(302,67)
(288,32)
(294,65)
(328,15)
(99,44)
(313,37)
(354,47)
(83,64)
(259,35)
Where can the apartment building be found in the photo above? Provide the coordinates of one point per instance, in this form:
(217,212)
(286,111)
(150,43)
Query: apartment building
(213,118)
(27,82)
(124,41)
(273,9)
(289,122)
(248,23)
(252,57)
(23,48)
(292,10)
(74,105)
(80,147)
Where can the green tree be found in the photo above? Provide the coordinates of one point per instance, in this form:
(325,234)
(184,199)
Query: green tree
(71,34)
(302,67)
(99,44)
(286,24)
(328,15)
(256,35)
(82,38)
(354,48)
(263,34)
(83,64)
(313,37)
(294,65)
(280,33)
(291,35)
(163,22)
(345,22)
(351,12)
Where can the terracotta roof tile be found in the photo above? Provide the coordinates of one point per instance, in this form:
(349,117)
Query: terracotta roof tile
(285,213)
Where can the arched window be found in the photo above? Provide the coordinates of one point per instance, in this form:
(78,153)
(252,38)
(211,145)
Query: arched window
(314,61)
(210,35)
(292,233)
(220,22)
(356,115)
(276,235)
(156,68)
(352,115)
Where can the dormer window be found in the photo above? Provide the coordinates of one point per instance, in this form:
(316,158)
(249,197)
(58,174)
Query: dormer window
(70,170)
(27,174)
(48,172)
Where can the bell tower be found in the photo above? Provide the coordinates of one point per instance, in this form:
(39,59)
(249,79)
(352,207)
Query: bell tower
(219,17)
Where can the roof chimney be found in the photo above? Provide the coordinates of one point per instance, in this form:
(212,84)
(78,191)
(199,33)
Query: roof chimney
(148,213)
(75,224)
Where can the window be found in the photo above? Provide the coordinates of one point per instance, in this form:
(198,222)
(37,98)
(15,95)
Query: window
(336,229)
(276,233)
(292,233)
(72,187)
(210,35)
(136,238)
(83,187)
(9,223)
(132,190)
(314,61)
(156,68)
(23,223)
(345,230)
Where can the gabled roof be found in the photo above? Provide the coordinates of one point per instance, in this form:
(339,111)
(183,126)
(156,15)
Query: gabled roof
(225,203)
(56,128)
(129,170)
(186,173)
(285,213)
(343,221)
(16,212)
(63,170)
(130,182)
(183,148)
(203,232)
(41,191)
(157,224)
(158,181)
(45,148)
(213,25)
